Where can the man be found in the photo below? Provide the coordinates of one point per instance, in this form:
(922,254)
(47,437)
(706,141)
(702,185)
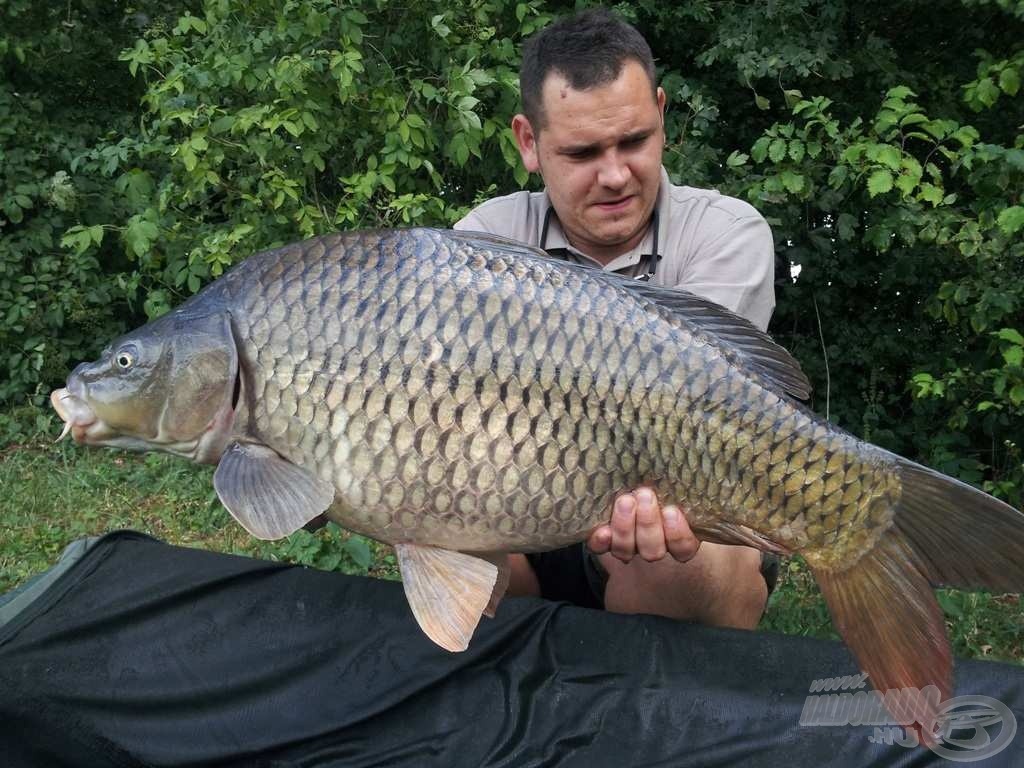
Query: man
(593,127)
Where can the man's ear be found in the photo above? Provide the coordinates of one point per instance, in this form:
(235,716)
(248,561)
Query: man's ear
(526,140)
(661,104)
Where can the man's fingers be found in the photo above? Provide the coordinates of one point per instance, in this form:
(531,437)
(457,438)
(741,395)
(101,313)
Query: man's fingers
(623,526)
(679,539)
(650,535)
(600,540)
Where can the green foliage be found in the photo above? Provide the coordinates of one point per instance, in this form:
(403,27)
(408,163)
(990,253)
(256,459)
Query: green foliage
(154,152)
(55,493)
(299,118)
(907,227)
(163,146)
(63,108)
(331,549)
(892,188)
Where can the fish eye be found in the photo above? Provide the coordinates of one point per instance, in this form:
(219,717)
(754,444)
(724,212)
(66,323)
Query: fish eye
(125,358)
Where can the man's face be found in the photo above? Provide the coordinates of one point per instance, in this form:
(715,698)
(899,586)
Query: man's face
(599,153)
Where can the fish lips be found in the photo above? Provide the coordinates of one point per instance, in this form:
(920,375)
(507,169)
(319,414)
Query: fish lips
(76,414)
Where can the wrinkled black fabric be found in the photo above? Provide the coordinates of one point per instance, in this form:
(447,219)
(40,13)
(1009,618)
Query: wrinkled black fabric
(143,654)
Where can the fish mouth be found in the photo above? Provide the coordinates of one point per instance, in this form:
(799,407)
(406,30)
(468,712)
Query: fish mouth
(79,419)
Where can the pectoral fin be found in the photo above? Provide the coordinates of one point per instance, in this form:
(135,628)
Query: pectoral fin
(267,494)
(447,591)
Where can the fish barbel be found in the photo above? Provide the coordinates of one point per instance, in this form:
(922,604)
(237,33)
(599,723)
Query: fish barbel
(461,396)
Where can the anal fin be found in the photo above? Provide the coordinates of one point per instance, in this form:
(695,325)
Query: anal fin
(721,531)
(500,561)
(447,591)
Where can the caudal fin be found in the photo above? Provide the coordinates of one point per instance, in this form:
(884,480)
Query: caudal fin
(945,533)
(964,537)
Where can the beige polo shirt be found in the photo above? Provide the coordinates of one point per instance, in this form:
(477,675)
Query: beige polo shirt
(712,245)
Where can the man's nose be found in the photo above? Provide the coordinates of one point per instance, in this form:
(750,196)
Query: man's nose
(613,172)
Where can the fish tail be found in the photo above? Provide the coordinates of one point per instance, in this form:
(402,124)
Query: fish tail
(944,533)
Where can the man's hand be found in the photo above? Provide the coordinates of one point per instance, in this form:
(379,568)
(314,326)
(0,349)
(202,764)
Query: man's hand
(640,526)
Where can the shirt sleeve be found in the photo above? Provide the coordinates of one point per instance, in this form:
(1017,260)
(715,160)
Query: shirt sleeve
(736,268)
(472,222)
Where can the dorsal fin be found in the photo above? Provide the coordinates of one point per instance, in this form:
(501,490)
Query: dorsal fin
(754,347)
(738,337)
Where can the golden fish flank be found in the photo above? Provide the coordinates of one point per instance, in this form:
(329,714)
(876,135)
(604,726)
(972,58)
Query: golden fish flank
(456,394)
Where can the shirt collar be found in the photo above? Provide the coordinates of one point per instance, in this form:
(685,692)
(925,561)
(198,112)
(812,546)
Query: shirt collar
(556,236)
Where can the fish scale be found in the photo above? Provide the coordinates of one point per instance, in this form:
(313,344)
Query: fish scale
(417,394)
(454,393)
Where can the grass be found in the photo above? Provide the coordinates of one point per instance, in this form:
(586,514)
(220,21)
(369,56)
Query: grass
(52,494)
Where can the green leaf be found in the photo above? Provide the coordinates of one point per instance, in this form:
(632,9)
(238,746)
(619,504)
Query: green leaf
(223,124)
(438,25)
(986,91)
(761,102)
(930,193)
(793,182)
(900,92)
(1014,355)
(359,551)
(777,150)
(847,225)
(914,118)
(796,150)
(1009,81)
(188,157)
(838,176)
(760,149)
(885,154)
(905,183)
(1011,335)
(139,234)
(1011,220)
(1017,394)
(736,159)
(78,238)
(879,183)
(137,186)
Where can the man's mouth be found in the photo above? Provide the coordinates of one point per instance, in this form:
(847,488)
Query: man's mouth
(616,204)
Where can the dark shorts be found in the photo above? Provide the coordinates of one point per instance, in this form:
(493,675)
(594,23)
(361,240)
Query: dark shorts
(573,574)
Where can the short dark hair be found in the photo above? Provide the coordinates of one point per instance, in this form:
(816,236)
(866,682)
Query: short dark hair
(587,49)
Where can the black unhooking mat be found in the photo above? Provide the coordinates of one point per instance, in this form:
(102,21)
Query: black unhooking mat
(144,654)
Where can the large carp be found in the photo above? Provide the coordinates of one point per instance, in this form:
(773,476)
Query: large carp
(461,396)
